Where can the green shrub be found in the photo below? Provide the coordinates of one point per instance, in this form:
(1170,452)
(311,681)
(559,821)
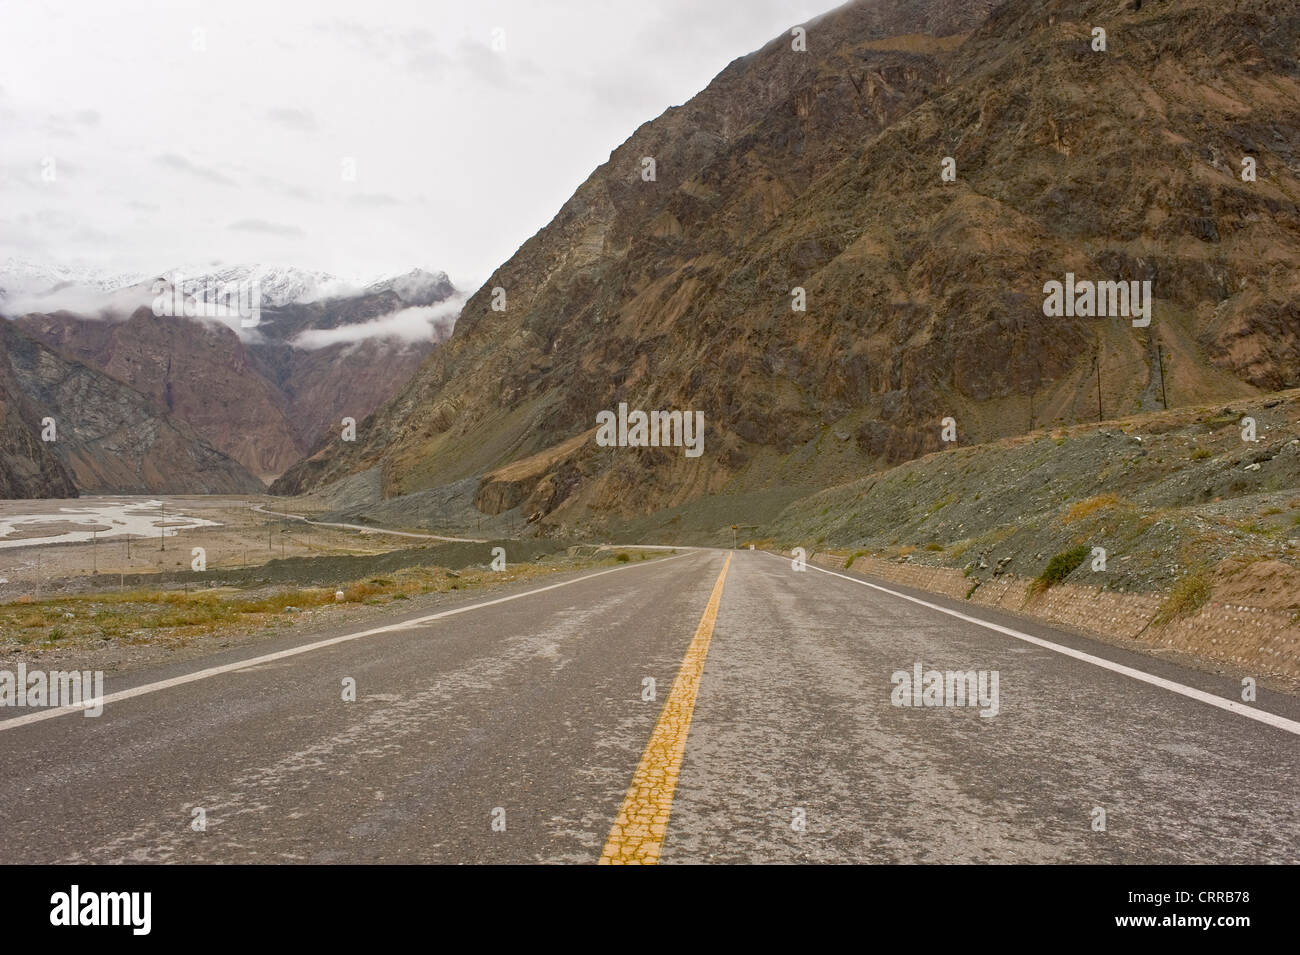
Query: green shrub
(1060,567)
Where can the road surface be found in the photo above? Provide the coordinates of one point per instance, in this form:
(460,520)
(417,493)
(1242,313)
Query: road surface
(514,727)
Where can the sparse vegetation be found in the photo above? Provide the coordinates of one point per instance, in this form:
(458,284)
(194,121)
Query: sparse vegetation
(940,504)
(1081,509)
(958,549)
(148,616)
(1188,595)
(854,556)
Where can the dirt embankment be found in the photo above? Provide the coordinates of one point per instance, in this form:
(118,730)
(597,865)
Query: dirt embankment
(1174,530)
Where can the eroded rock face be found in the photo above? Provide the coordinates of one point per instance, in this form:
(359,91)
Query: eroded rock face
(108,437)
(27,467)
(821,171)
(198,371)
(261,400)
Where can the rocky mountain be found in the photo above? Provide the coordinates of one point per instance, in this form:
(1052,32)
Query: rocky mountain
(822,171)
(263,395)
(106,437)
(27,466)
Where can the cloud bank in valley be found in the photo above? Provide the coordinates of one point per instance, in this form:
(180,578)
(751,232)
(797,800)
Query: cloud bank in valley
(420,323)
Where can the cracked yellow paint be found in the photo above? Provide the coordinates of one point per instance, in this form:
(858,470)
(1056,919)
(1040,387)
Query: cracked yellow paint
(637,835)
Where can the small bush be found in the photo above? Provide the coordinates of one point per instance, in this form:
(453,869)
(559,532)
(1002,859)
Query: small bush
(621,557)
(1060,567)
(1200,454)
(854,556)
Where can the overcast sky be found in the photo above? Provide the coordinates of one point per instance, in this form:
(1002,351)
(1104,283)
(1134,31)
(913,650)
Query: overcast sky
(185,133)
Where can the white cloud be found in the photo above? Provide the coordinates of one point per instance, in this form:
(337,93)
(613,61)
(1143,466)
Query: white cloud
(80,299)
(169,144)
(421,323)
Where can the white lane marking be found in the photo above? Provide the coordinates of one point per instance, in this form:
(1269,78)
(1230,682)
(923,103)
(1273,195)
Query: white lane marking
(49,714)
(1232,706)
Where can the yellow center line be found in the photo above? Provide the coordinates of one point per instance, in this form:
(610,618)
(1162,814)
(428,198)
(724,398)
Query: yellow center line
(637,836)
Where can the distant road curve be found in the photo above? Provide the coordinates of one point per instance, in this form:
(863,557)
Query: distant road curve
(369,530)
(436,537)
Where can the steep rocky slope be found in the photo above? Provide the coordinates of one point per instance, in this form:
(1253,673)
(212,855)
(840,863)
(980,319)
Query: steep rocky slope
(821,170)
(1166,494)
(108,437)
(197,370)
(27,467)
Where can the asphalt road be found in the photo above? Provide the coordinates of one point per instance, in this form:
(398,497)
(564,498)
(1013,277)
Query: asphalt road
(516,730)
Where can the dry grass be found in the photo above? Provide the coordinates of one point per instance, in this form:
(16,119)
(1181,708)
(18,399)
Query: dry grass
(1188,595)
(147,616)
(1081,509)
(957,550)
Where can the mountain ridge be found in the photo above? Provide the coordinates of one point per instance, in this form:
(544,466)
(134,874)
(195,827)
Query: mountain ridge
(924,296)
(103,435)
(259,394)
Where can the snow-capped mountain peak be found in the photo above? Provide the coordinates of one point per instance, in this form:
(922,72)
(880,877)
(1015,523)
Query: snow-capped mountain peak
(25,277)
(416,287)
(27,287)
(277,285)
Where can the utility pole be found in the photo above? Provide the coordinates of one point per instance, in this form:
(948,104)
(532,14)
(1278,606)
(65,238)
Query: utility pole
(94,563)
(1160,359)
(1096,361)
(162,531)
